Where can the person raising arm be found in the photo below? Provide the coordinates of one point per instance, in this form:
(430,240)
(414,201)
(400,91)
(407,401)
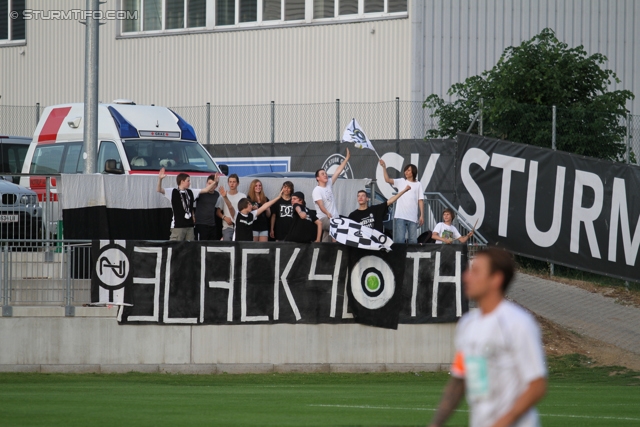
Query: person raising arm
(324,199)
(406,218)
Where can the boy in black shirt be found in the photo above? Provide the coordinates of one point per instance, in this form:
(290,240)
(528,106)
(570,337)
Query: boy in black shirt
(207,208)
(282,214)
(306,226)
(373,216)
(246,217)
(182,200)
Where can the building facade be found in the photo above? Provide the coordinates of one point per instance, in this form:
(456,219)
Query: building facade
(252,52)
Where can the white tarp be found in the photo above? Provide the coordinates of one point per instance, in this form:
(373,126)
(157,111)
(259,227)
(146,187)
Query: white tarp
(139,191)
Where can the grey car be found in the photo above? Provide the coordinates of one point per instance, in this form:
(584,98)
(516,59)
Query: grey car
(20,213)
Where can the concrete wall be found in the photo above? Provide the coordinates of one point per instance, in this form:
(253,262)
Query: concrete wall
(41,339)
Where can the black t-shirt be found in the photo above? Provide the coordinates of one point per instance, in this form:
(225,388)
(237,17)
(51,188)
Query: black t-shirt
(283,211)
(303,230)
(180,200)
(262,222)
(372,217)
(206,208)
(244,227)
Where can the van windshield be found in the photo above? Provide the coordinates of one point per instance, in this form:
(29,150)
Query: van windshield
(179,156)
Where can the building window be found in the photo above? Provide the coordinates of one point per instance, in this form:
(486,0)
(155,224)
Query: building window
(349,7)
(158,15)
(174,15)
(226,12)
(373,6)
(248,11)
(12,26)
(293,10)
(272,10)
(324,9)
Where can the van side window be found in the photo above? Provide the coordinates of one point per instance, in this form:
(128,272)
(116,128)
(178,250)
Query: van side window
(47,159)
(73,162)
(108,150)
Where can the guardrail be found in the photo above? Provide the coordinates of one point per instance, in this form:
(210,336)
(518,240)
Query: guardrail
(435,204)
(46,273)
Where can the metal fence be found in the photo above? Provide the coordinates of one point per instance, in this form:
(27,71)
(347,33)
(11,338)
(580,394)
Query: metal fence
(574,131)
(50,272)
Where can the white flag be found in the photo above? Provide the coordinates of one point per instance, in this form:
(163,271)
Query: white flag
(354,133)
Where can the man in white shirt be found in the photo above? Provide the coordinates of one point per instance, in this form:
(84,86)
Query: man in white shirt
(323,197)
(446,232)
(233,197)
(499,360)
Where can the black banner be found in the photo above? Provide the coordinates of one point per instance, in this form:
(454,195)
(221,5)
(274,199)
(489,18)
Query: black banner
(550,205)
(239,283)
(435,160)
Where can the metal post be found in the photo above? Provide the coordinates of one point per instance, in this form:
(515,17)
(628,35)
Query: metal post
(553,127)
(374,187)
(337,120)
(7,310)
(552,267)
(91,45)
(627,154)
(208,123)
(273,122)
(480,124)
(37,113)
(69,310)
(397,117)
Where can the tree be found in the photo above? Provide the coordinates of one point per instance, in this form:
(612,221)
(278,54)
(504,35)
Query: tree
(520,89)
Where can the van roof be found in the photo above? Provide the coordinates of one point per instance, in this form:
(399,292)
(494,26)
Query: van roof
(65,122)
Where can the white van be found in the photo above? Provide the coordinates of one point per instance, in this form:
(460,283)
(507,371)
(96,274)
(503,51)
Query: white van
(132,139)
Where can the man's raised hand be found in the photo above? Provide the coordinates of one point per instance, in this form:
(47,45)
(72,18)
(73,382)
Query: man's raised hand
(161,174)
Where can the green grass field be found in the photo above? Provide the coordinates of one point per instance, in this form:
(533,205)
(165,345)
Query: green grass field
(578,396)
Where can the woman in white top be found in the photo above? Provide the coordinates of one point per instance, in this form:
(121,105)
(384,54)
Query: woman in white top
(409,212)
(445,232)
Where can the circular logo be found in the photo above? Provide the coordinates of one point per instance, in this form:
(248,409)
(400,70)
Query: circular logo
(333,162)
(372,282)
(112,267)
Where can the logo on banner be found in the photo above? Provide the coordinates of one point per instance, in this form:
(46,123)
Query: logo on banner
(112,267)
(372,282)
(331,164)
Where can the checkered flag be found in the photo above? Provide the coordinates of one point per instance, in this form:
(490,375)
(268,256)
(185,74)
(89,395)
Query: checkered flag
(351,233)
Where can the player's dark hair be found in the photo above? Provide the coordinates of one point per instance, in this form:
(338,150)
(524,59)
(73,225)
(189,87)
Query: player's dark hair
(363,191)
(234,176)
(500,261)
(243,203)
(317,172)
(211,177)
(414,171)
(451,212)
(289,185)
(181,177)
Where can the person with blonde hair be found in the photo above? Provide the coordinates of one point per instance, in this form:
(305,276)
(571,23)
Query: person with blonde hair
(261,224)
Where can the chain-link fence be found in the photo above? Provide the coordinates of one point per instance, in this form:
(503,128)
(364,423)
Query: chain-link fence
(277,123)
(283,123)
(575,130)
(18,120)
